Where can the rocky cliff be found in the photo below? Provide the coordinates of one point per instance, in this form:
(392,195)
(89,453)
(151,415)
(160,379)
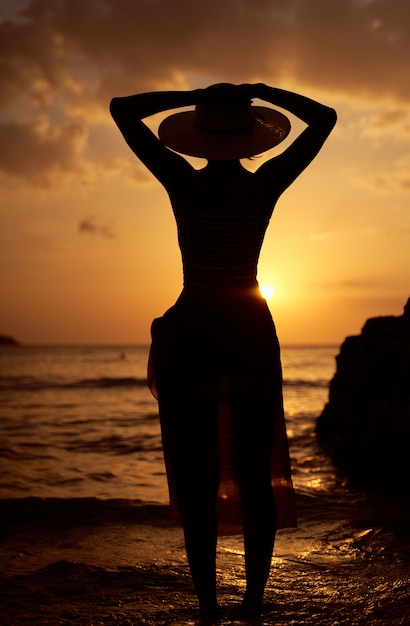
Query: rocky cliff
(365,426)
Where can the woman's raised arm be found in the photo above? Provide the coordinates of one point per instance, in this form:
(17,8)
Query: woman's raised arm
(128,113)
(320,120)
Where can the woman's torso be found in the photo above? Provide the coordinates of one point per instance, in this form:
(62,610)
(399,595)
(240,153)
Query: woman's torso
(222,214)
(220,320)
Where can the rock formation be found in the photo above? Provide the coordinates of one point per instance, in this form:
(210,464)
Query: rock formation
(365,426)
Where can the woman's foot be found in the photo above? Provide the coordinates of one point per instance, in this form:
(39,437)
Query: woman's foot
(245,611)
(210,612)
(250,612)
(252,605)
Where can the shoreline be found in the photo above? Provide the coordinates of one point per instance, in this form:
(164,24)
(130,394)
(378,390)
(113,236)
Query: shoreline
(93,562)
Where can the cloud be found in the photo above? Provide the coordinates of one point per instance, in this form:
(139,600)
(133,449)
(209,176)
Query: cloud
(396,178)
(42,152)
(128,45)
(321,234)
(133,171)
(89,226)
(65,59)
(390,122)
(358,284)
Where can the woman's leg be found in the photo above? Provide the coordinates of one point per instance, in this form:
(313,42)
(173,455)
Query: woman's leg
(188,414)
(259,520)
(253,415)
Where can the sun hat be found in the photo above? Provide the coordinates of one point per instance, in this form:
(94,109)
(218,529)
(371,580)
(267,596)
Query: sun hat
(227,130)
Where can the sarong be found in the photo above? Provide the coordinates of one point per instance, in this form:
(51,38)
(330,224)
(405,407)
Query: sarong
(222,347)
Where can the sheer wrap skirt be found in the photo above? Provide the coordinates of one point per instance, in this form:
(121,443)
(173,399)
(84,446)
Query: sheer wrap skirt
(215,369)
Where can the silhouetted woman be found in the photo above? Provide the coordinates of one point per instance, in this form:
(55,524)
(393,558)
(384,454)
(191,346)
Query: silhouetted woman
(215,363)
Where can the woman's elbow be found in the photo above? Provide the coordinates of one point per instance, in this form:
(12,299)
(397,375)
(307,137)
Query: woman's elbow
(114,108)
(331,117)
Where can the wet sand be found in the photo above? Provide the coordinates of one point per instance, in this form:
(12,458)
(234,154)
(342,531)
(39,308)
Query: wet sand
(91,562)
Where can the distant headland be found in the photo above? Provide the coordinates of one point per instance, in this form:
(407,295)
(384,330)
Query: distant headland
(6,340)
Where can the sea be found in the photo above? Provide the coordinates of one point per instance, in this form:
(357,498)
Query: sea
(79,425)
(80,421)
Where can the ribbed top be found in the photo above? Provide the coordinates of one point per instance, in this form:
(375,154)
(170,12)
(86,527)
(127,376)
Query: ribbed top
(220,250)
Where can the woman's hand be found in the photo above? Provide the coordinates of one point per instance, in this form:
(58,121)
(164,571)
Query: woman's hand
(227,93)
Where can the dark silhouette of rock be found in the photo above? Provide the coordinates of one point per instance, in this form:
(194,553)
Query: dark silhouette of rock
(5,340)
(365,426)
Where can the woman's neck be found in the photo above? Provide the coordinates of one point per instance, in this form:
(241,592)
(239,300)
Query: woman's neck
(224,166)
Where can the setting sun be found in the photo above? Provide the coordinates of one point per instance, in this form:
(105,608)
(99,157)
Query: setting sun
(267,291)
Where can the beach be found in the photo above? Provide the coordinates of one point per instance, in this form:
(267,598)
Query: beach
(93,562)
(86,533)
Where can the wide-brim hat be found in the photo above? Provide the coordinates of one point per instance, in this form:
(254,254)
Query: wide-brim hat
(218,132)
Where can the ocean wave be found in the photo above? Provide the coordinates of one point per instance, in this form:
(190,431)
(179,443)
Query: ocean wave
(30,383)
(300,382)
(67,511)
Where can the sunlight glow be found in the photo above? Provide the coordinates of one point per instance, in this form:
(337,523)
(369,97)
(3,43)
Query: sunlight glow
(267,291)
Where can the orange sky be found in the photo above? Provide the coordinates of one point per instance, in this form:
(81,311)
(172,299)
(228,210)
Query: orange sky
(88,249)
